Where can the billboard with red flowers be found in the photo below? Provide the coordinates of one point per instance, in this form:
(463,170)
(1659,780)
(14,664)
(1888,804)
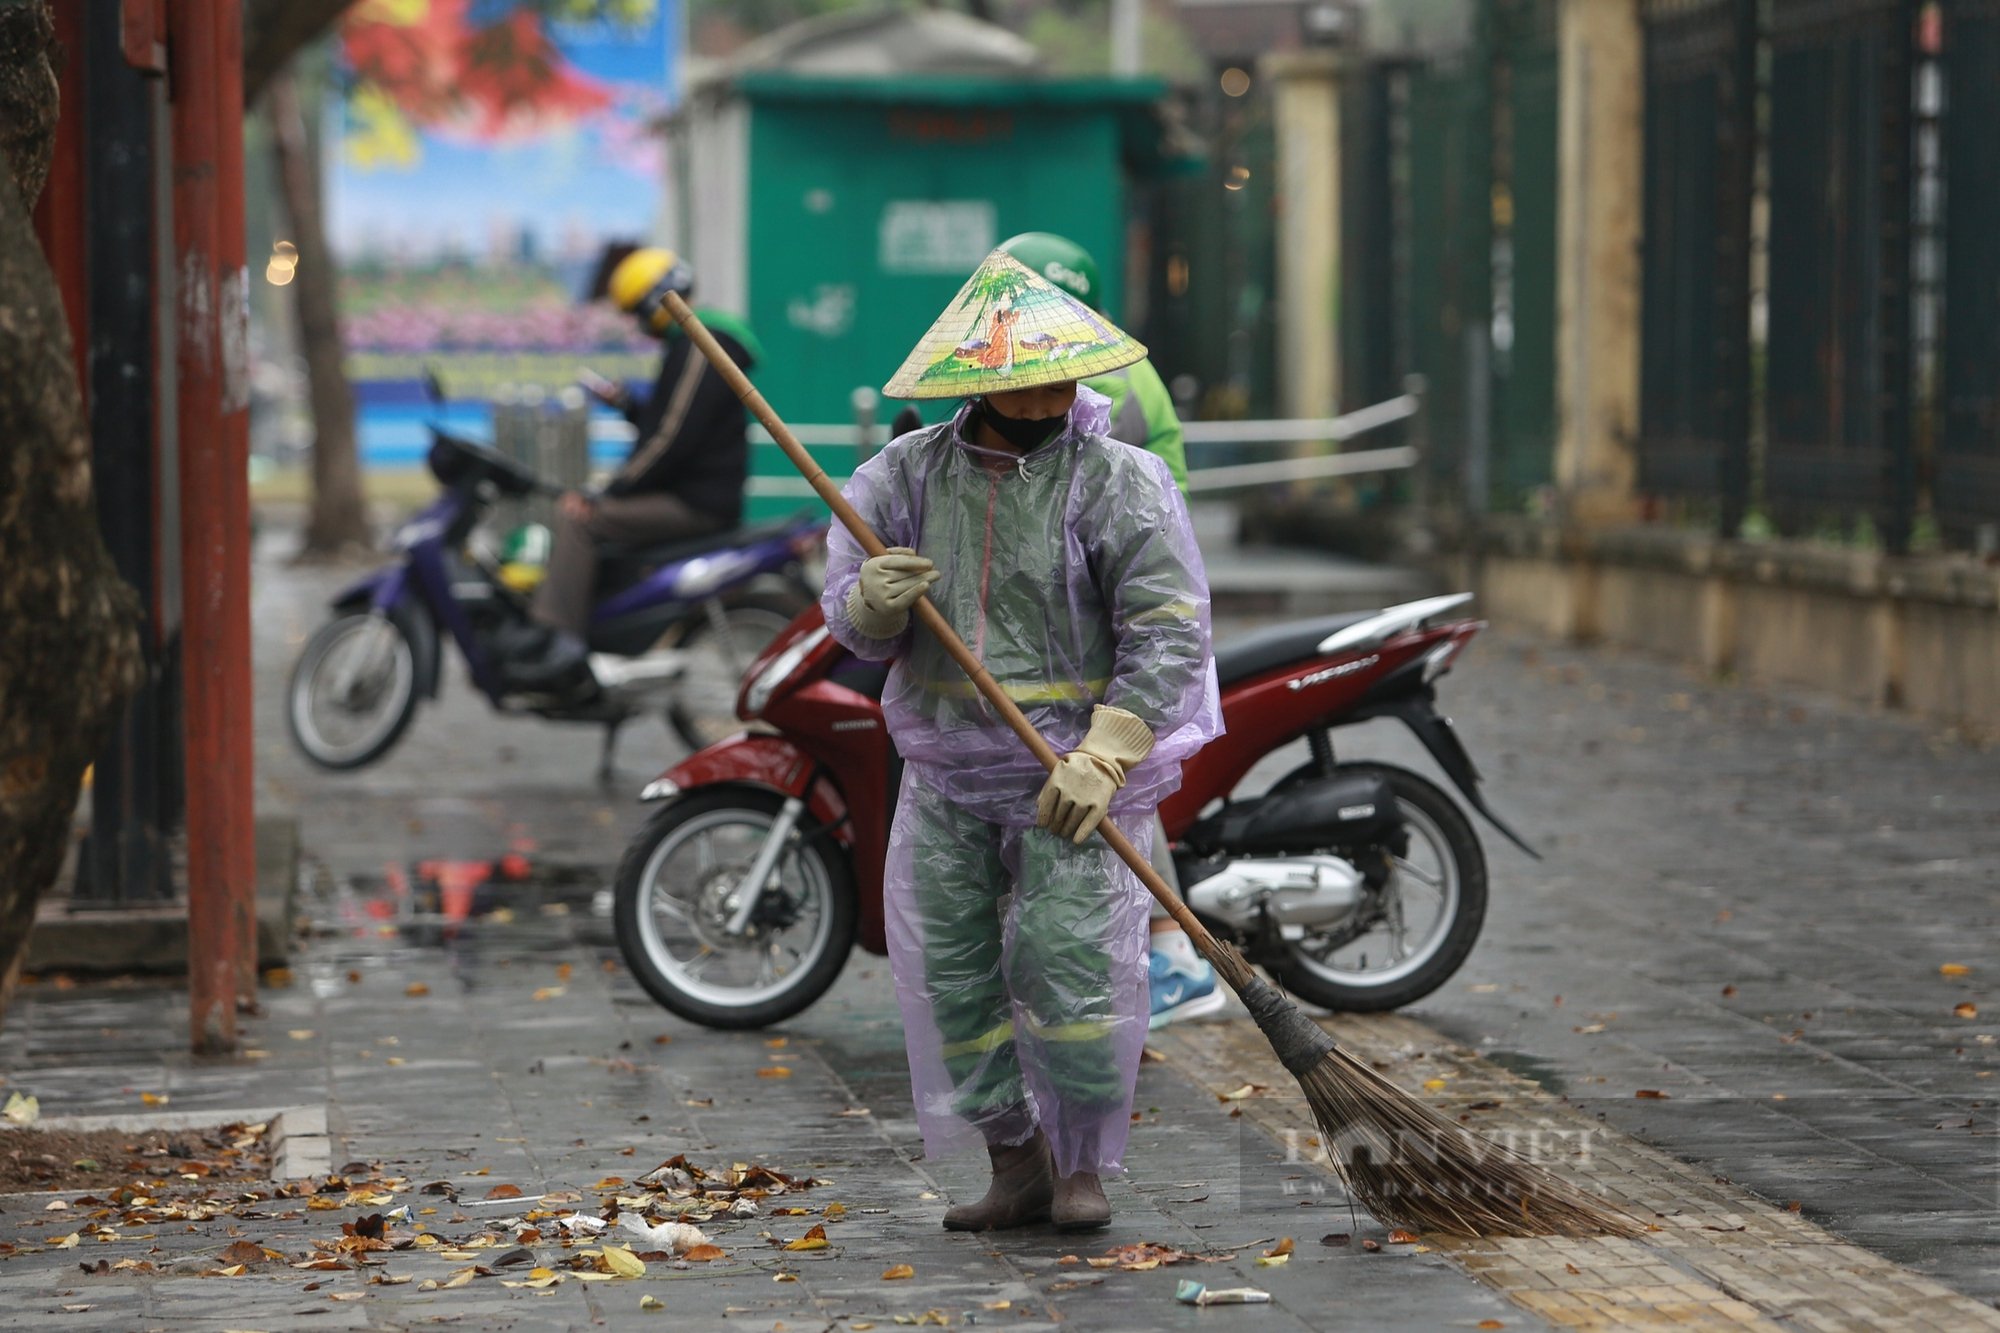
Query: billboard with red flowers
(486,152)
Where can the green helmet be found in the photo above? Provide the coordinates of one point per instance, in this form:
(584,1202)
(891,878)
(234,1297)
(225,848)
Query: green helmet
(1060,260)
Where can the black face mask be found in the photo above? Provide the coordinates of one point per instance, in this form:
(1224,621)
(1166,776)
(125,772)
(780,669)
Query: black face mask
(1023,433)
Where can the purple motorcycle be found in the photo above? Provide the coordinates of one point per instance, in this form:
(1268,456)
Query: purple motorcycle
(674,626)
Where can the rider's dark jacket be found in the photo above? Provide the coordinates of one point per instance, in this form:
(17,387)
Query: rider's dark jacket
(691,440)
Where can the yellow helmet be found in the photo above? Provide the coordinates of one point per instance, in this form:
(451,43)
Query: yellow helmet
(641,280)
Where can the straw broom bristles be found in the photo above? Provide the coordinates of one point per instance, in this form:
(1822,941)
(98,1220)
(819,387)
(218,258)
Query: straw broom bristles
(1406,1163)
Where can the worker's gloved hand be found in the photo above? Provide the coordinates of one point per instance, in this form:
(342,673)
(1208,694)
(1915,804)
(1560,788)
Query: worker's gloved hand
(890,584)
(1078,793)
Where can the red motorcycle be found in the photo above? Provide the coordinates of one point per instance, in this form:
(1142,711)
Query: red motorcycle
(1357,885)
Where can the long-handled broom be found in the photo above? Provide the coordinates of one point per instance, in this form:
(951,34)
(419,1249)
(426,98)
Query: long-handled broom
(1405,1162)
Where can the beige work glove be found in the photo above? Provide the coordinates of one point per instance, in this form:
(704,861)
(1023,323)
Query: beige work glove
(1079,790)
(890,584)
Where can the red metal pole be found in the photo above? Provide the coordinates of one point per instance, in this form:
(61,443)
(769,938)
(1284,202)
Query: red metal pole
(237,741)
(214,632)
(60,213)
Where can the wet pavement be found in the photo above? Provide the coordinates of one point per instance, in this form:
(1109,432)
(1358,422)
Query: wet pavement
(1745,904)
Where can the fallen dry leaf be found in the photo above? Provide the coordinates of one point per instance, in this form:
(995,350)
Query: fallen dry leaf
(244,1252)
(1247,1090)
(898,1273)
(1491,1323)
(774,1071)
(1433,1085)
(1953,969)
(155,1098)
(1401,1237)
(504,1192)
(1651,1095)
(1371,1245)
(1336,1238)
(547,993)
(1281,1249)
(814,1239)
(68,1242)
(416,990)
(623,1262)
(702,1254)
(1966,1009)
(647,1302)
(345,1295)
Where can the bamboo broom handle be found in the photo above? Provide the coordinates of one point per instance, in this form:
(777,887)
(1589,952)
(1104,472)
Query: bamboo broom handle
(933,619)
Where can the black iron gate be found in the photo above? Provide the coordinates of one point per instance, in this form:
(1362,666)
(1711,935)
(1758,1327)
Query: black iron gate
(1700,159)
(1837,399)
(1966,479)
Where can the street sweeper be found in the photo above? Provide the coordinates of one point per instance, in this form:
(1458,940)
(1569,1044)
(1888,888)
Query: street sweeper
(1066,560)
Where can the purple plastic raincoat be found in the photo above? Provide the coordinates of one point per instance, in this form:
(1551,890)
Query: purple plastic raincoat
(1020,958)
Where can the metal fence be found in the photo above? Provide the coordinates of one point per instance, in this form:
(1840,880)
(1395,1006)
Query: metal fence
(1699,165)
(1965,482)
(1846,386)
(1837,405)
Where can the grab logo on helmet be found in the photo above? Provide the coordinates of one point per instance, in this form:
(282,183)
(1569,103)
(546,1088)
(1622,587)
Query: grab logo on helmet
(1062,275)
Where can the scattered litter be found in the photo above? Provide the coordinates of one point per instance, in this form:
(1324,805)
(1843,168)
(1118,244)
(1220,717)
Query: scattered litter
(678,1237)
(585,1223)
(1191,1292)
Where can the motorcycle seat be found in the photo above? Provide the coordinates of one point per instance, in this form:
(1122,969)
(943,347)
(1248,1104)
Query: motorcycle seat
(1266,649)
(663,553)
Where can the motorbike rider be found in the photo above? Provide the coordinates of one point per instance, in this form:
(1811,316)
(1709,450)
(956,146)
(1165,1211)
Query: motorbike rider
(684,477)
(1067,560)
(1181,982)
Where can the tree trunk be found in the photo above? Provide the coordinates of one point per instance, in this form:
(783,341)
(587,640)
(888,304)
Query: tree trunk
(339,515)
(69,653)
(273,32)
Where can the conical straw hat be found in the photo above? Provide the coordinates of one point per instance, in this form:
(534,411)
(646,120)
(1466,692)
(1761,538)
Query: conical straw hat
(1011,328)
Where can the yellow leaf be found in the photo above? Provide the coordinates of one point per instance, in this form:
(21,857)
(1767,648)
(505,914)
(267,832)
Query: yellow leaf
(155,1098)
(996,1305)
(1141,1265)
(234,1270)
(812,1240)
(836,1211)
(547,993)
(1281,1249)
(701,1254)
(1953,969)
(536,1273)
(898,1273)
(1273,1260)
(1102,1263)
(774,1071)
(623,1262)
(416,989)
(1966,1009)
(784,1277)
(650,1302)
(64,1242)
(460,1278)
(1433,1085)
(543,1283)
(425,1241)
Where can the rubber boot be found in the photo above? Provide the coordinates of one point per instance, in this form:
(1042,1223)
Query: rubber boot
(1079,1203)
(1019,1194)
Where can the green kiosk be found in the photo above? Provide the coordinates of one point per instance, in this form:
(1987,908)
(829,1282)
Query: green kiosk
(838,181)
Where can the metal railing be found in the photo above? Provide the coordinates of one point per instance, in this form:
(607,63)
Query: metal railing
(864,437)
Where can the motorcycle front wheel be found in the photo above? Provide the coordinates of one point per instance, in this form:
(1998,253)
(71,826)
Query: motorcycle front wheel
(677,890)
(353,691)
(703,710)
(1431,911)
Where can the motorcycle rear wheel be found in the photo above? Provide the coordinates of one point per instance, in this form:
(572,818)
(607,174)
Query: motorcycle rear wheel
(676,883)
(1435,822)
(703,709)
